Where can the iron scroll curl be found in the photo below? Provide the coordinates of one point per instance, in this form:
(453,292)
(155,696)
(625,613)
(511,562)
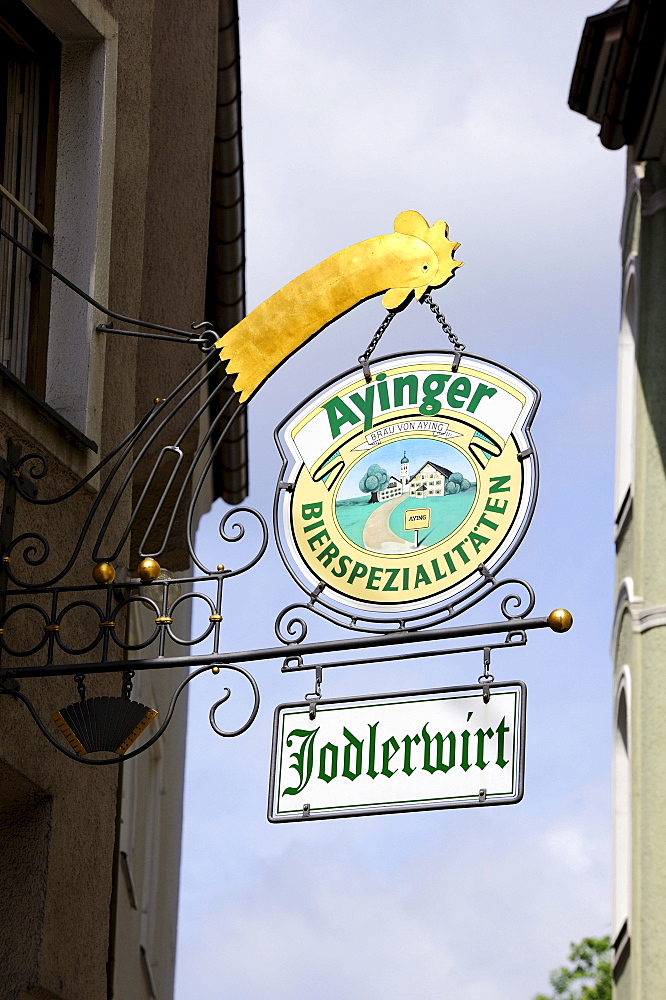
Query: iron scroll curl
(293,630)
(118,759)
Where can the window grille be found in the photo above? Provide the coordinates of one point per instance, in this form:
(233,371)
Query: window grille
(29,77)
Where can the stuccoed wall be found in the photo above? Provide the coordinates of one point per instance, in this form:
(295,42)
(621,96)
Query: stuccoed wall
(152,242)
(642,643)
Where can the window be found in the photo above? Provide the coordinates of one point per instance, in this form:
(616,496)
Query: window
(622,810)
(29,89)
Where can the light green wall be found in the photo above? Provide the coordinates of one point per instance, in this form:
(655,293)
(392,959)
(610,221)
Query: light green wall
(642,556)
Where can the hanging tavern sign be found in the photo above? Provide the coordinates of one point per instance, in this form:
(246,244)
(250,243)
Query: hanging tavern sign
(405,488)
(398,753)
(404,491)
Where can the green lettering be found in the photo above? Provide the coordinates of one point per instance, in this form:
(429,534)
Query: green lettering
(436,570)
(359,569)
(458,392)
(392,575)
(494,505)
(373,577)
(501,731)
(421,576)
(311,510)
(480,392)
(365,404)
(311,527)
(477,540)
(303,758)
(461,551)
(342,566)
(389,749)
(339,414)
(408,740)
(500,480)
(464,761)
(372,773)
(489,524)
(332,772)
(433,386)
(357,746)
(382,391)
(399,384)
(330,552)
(480,737)
(438,740)
(316,541)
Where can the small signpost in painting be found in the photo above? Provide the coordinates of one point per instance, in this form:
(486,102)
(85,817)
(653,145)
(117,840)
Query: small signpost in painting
(421,750)
(416,520)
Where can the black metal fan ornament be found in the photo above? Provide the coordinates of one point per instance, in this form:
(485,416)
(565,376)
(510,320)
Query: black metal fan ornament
(108,724)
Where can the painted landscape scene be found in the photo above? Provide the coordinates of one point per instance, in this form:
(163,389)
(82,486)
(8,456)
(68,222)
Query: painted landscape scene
(416,473)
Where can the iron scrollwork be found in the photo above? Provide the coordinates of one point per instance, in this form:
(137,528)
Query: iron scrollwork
(40,609)
(118,758)
(37,602)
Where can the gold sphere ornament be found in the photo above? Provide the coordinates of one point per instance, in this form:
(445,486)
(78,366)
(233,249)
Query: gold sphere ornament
(104,573)
(560,620)
(148,569)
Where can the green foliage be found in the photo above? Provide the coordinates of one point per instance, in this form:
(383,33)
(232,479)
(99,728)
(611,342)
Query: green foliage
(588,975)
(374,479)
(452,487)
(456,477)
(465,484)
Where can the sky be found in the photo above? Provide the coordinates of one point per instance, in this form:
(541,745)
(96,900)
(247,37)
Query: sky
(352,113)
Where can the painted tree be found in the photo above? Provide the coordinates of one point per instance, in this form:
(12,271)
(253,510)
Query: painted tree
(457,483)
(374,480)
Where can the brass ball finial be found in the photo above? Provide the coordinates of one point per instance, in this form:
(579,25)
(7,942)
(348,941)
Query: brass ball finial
(104,573)
(216,670)
(560,620)
(148,569)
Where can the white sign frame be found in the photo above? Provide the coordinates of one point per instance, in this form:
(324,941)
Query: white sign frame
(506,419)
(479,790)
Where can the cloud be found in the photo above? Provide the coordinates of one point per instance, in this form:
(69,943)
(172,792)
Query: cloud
(463,917)
(353,112)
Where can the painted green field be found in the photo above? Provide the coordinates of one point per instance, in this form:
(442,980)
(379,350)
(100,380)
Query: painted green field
(447,513)
(352,515)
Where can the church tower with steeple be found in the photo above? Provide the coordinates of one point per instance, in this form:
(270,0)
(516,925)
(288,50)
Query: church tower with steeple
(404,473)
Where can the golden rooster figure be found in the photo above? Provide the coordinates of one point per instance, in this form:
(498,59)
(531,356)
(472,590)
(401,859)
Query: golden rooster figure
(412,259)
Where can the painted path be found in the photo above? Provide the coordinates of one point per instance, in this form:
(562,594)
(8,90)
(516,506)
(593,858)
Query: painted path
(378,536)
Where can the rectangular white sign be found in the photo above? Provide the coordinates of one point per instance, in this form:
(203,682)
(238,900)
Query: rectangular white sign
(402,752)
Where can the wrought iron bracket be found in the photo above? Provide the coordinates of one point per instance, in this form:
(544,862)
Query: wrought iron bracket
(34,584)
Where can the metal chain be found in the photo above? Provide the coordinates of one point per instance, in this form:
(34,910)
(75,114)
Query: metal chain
(364,359)
(127,683)
(80,686)
(458,347)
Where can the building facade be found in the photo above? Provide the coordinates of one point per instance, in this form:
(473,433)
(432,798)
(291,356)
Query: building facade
(120,167)
(619,83)
(430,480)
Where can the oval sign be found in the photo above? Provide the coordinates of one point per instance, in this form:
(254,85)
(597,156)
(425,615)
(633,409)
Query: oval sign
(400,493)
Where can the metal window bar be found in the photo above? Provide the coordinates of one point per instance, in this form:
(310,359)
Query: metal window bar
(19,179)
